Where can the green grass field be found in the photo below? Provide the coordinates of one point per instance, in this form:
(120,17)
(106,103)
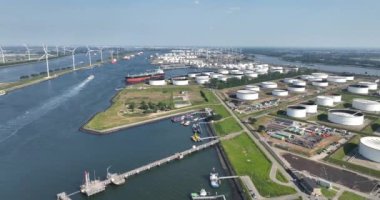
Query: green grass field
(328,193)
(281,177)
(350,196)
(227,126)
(346,148)
(247,159)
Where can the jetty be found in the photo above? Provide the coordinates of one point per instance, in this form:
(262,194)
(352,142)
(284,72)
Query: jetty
(91,187)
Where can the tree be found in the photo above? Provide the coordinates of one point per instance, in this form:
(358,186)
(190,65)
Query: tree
(261,128)
(252,120)
(143,106)
(132,106)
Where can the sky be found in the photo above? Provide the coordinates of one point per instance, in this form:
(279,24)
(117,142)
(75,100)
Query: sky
(243,23)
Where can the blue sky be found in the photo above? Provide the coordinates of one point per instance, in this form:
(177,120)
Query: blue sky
(256,23)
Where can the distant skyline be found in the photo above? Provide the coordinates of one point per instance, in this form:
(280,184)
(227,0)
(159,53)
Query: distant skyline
(245,23)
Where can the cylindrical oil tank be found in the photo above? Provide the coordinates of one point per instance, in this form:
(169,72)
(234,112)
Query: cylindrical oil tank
(320,83)
(358,89)
(252,87)
(296,111)
(296,88)
(268,85)
(311,107)
(180,81)
(346,117)
(366,105)
(337,79)
(320,75)
(248,95)
(371,85)
(299,83)
(280,93)
(157,82)
(369,147)
(325,101)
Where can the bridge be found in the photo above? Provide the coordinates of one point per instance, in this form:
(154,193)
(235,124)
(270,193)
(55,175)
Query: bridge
(91,187)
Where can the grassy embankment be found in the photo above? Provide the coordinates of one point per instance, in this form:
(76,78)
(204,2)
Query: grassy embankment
(351,196)
(281,177)
(338,158)
(247,159)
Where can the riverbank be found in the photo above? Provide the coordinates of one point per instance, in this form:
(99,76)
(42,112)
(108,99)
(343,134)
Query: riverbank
(9,87)
(14,64)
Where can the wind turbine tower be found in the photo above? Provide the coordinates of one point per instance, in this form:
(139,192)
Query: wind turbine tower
(101,54)
(2,54)
(57,50)
(73,56)
(89,54)
(27,51)
(46,56)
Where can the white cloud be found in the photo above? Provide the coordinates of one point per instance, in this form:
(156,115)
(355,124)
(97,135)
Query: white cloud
(233,9)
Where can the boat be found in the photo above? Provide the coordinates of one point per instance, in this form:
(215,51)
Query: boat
(203,195)
(186,123)
(214,179)
(2,92)
(90,77)
(196,137)
(113,61)
(138,78)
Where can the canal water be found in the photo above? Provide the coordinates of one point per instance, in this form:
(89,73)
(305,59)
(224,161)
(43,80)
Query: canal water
(42,151)
(318,66)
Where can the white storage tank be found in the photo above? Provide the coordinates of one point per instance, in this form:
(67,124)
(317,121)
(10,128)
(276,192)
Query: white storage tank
(371,85)
(296,111)
(252,87)
(280,93)
(358,89)
(337,79)
(157,82)
(223,71)
(289,80)
(268,85)
(207,73)
(369,147)
(299,83)
(296,88)
(366,105)
(325,101)
(320,75)
(216,75)
(306,77)
(320,83)
(252,75)
(346,117)
(337,97)
(315,79)
(248,95)
(192,75)
(236,72)
(310,106)
(349,77)
(238,76)
(180,81)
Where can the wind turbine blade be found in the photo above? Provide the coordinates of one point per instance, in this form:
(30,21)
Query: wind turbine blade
(42,57)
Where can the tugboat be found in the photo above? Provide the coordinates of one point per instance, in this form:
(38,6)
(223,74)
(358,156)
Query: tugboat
(90,77)
(196,138)
(214,178)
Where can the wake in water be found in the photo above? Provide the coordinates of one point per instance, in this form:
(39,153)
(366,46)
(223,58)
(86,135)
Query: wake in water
(11,127)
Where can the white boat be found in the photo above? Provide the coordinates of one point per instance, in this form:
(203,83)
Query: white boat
(214,179)
(2,92)
(90,77)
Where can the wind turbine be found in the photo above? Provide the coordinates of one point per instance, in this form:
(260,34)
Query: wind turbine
(27,51)
(64,50)
(89,54)
(46,55)
(73,55)
(57,49)
(101,54)
(2,54)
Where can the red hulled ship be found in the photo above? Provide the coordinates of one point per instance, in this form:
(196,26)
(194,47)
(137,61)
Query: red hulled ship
(138,78)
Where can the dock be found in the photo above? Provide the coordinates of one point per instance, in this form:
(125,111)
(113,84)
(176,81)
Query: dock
(91,187)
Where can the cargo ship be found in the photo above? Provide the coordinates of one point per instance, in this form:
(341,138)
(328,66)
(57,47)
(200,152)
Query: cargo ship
(138,78)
